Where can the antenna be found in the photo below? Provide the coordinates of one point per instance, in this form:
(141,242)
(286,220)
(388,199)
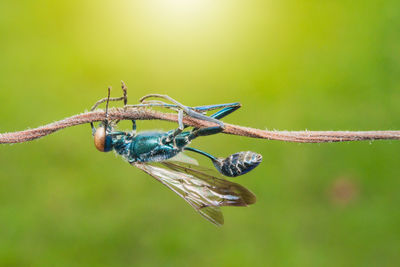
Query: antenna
(108,100)
(125,90)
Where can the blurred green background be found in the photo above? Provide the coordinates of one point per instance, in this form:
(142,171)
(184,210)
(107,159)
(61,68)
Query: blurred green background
(294,65)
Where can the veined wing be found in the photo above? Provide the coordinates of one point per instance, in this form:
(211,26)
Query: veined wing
(183,158)
(231,194)
(205,193)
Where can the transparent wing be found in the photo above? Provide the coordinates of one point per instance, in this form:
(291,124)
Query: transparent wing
(183,158)
(193,166)
(229,193)
(205,193)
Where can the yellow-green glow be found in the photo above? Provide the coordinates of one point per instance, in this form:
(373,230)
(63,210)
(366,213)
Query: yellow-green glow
(179,9)
(172,15)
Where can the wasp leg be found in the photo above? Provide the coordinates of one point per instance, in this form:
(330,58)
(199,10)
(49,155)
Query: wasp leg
(178,130)
(224,112)
(204,132)
(133,133)
(133,127)
(189,111)
(93,128)
(187,137)
(180,120)
(206,108)
(152,103)
(199,109)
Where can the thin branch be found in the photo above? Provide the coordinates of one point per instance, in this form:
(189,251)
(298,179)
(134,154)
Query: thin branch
(148,114)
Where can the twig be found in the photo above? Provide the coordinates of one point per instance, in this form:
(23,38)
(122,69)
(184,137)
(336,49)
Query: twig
(148,114)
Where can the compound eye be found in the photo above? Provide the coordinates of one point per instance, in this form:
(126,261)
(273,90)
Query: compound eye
(100,139)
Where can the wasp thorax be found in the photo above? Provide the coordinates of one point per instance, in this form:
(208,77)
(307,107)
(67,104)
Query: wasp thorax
(100,139)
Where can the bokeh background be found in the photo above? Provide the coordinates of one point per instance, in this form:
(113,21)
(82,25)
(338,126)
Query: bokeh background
(294,65)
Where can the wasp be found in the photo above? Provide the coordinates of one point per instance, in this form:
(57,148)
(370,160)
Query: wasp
(160,154)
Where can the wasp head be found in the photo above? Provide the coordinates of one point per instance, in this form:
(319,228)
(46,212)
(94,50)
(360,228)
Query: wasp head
(102,140)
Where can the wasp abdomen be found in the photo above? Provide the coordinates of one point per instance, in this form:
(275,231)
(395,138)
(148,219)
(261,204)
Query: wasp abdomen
(238,163)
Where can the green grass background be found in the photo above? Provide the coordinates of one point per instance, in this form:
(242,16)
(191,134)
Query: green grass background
(294,65)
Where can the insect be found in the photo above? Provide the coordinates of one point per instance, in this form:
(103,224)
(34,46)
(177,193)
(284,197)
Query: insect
(157,153)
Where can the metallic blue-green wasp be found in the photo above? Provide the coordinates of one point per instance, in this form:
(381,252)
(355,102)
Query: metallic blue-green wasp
(160,155)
